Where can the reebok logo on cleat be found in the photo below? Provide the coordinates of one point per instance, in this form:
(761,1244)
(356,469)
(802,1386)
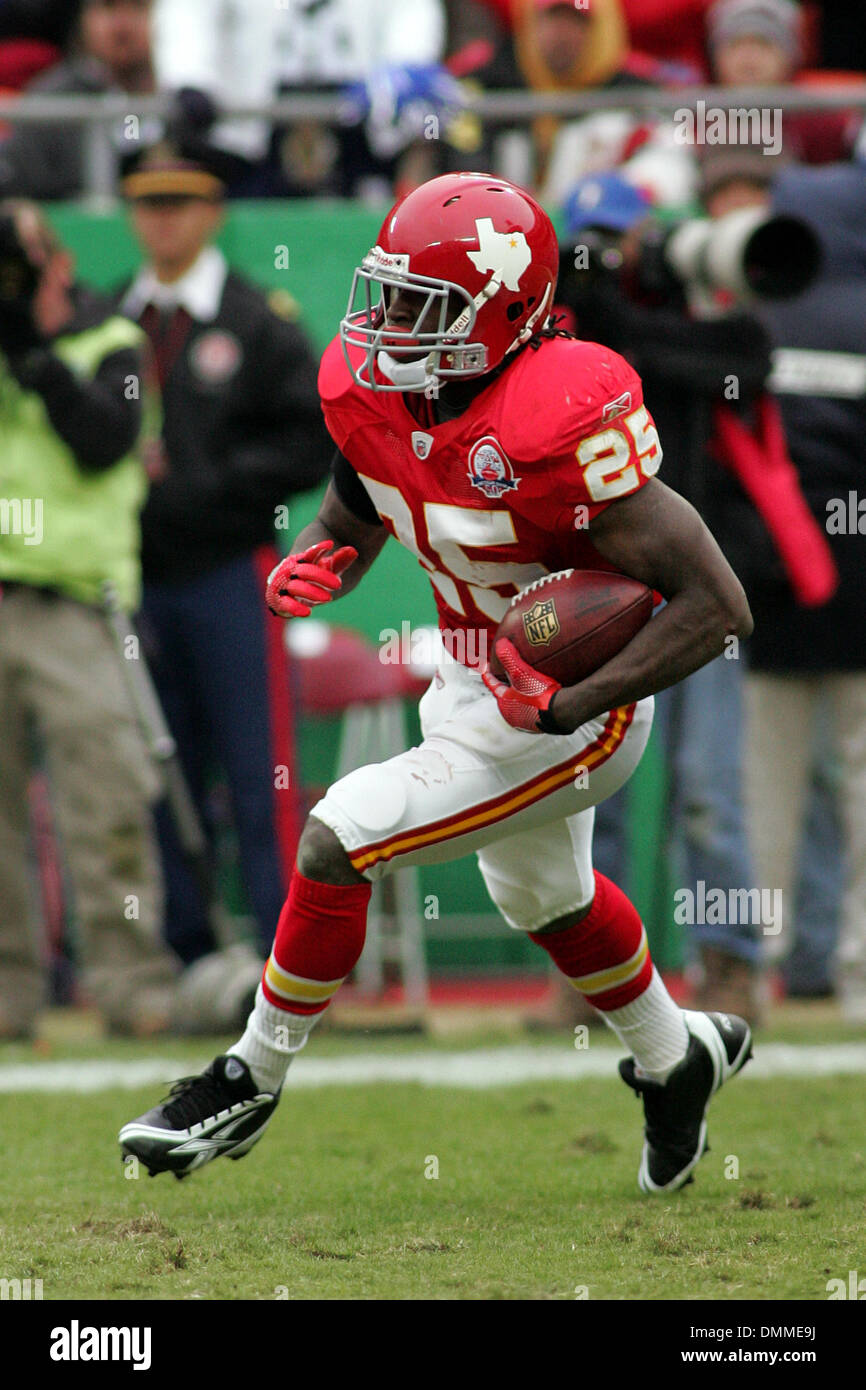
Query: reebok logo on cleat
(206,1116)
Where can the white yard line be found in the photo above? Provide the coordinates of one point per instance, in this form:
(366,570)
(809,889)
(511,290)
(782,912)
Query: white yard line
(473,1070)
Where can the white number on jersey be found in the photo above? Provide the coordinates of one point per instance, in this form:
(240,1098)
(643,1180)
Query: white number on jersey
(606,458)
(449,530)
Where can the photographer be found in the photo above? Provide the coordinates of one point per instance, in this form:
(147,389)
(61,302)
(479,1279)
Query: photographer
(704,377)
(806,686)
(71,486)
(621,293)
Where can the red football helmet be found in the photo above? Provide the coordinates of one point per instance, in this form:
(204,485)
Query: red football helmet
(473,239)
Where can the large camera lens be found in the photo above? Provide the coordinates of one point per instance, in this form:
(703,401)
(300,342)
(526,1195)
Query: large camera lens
(747,252)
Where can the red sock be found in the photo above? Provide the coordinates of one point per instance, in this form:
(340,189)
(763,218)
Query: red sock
(320,936)
(605,955)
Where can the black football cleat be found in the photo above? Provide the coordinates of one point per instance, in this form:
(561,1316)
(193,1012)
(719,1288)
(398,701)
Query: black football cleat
(676,1111)
(220,1113)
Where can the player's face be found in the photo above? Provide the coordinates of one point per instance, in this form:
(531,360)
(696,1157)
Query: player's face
(404,306)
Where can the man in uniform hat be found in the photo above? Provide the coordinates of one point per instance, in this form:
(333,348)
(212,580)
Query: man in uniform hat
(242,431)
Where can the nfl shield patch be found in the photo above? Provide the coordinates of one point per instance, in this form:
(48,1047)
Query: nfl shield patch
(540,622)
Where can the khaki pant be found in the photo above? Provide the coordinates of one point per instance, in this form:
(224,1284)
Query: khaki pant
(780,720)
(62,685)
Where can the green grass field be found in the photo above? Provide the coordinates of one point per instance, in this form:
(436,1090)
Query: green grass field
(535,1197)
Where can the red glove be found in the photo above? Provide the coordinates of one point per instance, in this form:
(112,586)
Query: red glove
(303,580)
(524,701)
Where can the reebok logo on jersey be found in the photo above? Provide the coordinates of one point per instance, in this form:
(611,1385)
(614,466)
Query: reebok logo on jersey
(421,443)
(489,469)
(617,407)
(502,253)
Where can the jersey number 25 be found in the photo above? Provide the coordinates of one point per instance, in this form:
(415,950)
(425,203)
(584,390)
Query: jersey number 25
(607,458)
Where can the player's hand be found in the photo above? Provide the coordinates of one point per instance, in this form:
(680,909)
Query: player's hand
(310,577)
(524,700)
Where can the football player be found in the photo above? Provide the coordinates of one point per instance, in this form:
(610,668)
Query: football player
(498,450)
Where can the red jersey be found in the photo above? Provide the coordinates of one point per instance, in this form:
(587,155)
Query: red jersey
(502,495)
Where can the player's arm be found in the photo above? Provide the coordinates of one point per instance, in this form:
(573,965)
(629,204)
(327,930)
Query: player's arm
(656,536)
(328,559)
(345,528)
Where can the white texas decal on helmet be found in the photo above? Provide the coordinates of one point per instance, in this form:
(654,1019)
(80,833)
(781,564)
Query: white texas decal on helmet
(505,254)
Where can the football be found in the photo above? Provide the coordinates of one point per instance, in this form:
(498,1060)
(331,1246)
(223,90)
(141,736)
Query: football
(568,624)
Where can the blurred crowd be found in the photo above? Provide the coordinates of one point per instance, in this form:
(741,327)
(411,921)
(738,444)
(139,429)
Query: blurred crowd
(753,356)
(398,75)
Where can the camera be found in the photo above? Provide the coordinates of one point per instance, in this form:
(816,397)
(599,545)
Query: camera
(748,253)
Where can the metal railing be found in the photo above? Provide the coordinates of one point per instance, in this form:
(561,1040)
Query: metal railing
(97,115)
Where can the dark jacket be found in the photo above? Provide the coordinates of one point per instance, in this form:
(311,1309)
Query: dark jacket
(51,20)
(242,429)
(825,421)
(685,365)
